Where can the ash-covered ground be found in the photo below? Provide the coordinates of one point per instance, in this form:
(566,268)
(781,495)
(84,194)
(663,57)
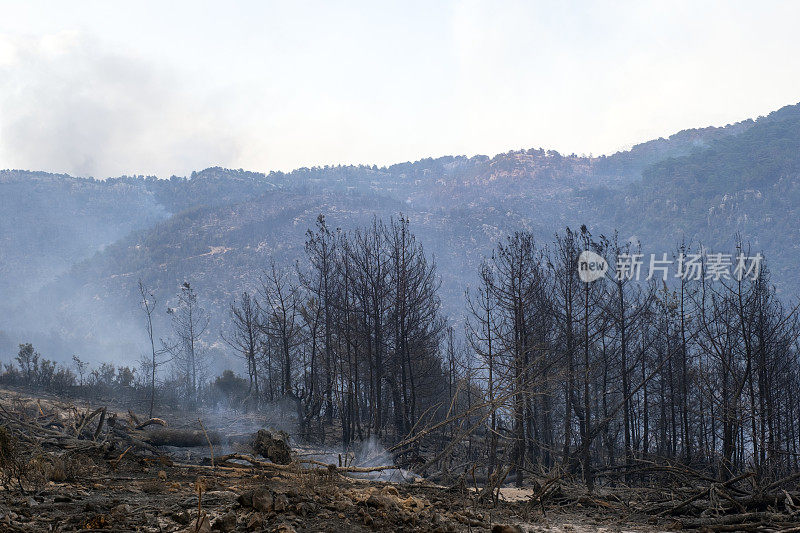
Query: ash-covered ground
(69,465)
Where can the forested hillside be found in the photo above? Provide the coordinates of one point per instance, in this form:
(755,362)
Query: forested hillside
(72,250)
(747,183)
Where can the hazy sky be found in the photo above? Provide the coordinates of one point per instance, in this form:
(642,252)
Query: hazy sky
(107,88)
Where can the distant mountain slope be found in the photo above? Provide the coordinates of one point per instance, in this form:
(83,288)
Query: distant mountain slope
(747,184)
(50,222)
(629,165)
(81,245)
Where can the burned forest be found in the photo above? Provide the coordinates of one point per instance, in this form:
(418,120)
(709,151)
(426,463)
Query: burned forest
(657,402)
(368,266)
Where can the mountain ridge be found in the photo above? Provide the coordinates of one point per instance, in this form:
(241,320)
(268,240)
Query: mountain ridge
(218,227)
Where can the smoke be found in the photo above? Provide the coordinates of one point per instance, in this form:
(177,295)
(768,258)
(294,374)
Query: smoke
(369,453)
(67,104)
(237,429)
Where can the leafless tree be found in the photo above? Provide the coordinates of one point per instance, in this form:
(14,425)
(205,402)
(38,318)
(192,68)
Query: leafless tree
(189,324)
(246,338)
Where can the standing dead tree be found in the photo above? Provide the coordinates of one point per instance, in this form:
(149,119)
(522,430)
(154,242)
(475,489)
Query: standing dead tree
(151,364)
(246,338)
(189,324)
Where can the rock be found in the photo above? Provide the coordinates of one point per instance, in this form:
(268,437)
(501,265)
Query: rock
(262,500)
(182,517)
(226,522)
(368,520)
(120,512)
(274,445)
(304,508)
(245,499)
(259,499)
(281,503)
(380,501)
(342,506)
(390,491)
(203,527)
(256,523)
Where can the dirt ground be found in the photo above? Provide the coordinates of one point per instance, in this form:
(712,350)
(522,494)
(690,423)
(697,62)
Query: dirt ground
(93,480)
(150,496)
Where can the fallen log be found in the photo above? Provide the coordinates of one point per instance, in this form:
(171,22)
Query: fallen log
(703,492)
(136,442)
(740,519)
(293,466)
(18,421)
(100,424)
(88,418)
(350,469)
(179,437)
(134,418)
(782,482)
(151,422)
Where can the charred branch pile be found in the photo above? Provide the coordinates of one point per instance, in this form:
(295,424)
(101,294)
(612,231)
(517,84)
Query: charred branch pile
(71,430)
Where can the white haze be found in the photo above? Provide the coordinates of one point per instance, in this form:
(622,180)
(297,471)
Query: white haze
(103,89)
(66,105)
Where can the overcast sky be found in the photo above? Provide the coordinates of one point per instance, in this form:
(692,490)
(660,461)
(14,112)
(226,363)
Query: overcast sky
(108,88)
